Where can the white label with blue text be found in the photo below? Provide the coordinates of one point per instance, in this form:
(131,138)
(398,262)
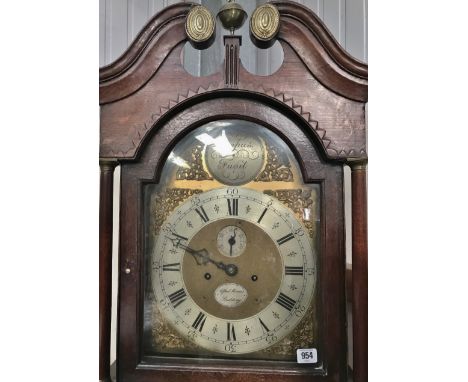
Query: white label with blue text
(306,355)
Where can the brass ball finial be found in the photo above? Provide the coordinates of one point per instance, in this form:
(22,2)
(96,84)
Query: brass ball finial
(232,16)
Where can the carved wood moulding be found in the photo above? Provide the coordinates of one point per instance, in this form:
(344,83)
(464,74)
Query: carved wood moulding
(317,81)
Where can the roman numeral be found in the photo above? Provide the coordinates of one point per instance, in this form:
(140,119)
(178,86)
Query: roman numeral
(175,267)
(286,238)
(262,215)
(178,297)
(264,327)
(180,236)
(294,271)
(202,213)
(234,207)
(231,334)
(199,322)
(285,301)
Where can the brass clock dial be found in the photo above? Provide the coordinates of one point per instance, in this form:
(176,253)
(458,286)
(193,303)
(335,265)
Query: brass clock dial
(234,270)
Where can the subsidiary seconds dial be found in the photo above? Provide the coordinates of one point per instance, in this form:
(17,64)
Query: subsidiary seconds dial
(231,241)
(233,270)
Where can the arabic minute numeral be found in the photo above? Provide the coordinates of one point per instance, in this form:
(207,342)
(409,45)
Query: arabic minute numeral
(300,310)
(192,334)
(195,201)
(168,228)
(299,232)
(230,347)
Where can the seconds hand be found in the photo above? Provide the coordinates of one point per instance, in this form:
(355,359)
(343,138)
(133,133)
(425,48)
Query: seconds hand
(202,257)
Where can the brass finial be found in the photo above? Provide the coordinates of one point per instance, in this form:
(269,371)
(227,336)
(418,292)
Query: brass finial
(232,16)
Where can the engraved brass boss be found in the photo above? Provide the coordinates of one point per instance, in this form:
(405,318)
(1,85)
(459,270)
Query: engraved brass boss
(264,22)
(236,160)
(200,24)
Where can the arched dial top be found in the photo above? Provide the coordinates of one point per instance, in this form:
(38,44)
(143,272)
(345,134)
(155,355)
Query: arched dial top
(233,304)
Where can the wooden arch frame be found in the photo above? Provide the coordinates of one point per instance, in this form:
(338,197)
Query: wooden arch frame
(319,84)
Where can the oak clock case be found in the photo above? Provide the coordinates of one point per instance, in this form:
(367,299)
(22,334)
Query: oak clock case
(231,243)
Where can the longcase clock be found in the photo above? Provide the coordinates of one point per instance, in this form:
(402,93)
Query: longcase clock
(231,240)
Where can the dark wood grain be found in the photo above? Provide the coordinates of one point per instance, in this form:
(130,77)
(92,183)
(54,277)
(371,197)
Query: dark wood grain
(359,218)
(105,265)
(318,80)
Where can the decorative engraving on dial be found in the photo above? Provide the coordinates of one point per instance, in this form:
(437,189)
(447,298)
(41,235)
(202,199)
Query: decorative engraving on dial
(195,170)
(231,241)
(277,168)
(236,160)
(230,295)
(264,22)
(200,24)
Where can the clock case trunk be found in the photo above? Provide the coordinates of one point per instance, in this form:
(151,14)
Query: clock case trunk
(315,103)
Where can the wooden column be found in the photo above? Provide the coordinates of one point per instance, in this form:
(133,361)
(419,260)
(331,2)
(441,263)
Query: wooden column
(105,265)
(359,222)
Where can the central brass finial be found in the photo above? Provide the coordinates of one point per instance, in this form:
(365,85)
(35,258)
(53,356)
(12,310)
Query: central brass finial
(232,16)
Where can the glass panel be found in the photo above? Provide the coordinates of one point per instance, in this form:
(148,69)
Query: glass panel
(231,241)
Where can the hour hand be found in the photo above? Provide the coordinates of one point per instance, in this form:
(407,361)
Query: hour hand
(202,257)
